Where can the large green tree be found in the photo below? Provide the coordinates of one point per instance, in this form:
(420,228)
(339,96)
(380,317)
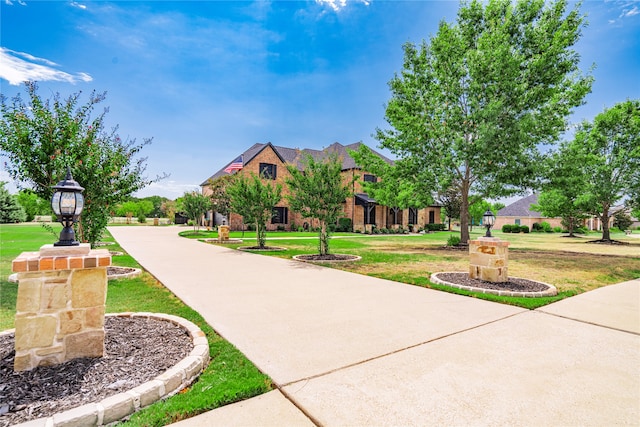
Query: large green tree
(609,157)
(33,204)
(254,201)
(42,137)
(472,105)
(318,191)
(561,190)
(10,209)
(220,199)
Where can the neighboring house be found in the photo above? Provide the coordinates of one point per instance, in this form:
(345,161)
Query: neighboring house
(521,213)
(271,161)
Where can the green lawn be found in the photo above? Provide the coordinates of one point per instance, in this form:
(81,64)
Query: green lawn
(572,265)
(230,376)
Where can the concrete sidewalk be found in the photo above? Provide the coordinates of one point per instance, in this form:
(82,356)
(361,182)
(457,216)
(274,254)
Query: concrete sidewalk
(346,349)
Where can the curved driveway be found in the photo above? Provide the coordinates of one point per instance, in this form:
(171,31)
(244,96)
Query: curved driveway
(346,349)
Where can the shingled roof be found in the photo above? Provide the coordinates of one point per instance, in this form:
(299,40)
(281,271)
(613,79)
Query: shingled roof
(296,156)
(521,208)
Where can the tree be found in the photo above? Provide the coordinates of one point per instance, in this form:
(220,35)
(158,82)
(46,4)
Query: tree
(33,204)
(563,187)
(220,199)
(471,106)
(451,201)
(391,188)
(41,138)
(254,201)
(622,220)
(609,150)
(195,206)
(318,191)
(10,209)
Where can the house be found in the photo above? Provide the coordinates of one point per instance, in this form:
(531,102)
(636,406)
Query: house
(521,213)
(271,161)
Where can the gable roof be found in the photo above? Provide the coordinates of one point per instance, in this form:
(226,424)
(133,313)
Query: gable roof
(296,156)
(522,208)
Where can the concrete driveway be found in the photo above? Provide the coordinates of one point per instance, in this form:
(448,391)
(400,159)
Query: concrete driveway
(345,349)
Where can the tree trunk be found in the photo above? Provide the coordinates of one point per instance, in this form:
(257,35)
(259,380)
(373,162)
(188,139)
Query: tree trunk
(324,239)
(571,224)
(464,213)
(261,234)
(605,223)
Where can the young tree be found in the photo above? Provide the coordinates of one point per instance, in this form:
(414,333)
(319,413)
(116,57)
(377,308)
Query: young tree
(10,209)
(195,206)
(41,138)
(318,191)
(451,201)
(254,201)
(471,106)
(220,199)
(622,220)
(563,187)
(610,159)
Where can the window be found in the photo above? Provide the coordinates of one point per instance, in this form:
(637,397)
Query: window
(267,171)
(370,178)
(432,217)
(413,216)
(518,221)
(280,215)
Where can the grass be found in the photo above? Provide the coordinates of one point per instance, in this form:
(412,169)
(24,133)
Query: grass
(230,376)
(573,266)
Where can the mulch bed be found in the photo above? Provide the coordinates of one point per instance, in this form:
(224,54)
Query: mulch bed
(328,257)
(513,285)
(137,350)
(113,270)
(608,242)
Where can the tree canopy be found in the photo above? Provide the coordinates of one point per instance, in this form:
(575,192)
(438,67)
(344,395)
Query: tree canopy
(195,205)
(472,105)
(42,137)
(318,191)
(608,154)
(254,201)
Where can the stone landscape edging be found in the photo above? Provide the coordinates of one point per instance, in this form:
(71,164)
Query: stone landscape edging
(118,406)
(550,292)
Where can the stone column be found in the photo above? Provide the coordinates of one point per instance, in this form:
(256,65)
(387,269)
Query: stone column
(223,233)
(489,259)
(61,304)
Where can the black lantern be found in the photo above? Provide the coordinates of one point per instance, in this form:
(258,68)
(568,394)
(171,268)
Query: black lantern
(488,219)
(67,203)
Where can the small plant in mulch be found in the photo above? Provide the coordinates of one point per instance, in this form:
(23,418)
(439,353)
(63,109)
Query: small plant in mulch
(327,257)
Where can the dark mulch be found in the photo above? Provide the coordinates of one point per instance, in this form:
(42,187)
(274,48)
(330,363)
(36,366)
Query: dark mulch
(136,351)
(328,257)
(513,285)
(608,242)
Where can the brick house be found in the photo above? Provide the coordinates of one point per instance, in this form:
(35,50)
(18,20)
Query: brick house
(364,212)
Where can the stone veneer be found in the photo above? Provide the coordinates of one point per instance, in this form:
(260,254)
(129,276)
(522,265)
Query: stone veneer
(489,259)
(60,306)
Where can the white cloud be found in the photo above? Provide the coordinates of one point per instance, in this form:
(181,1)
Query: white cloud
(79,5)
(632,12)
(169,189)
(18,67)
(337,5)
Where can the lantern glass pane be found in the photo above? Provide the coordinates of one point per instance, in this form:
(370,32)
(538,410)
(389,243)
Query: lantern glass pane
(67,203)
(79,203)
(55,203)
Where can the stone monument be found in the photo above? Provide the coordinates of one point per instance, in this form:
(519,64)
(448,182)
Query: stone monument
(488,259)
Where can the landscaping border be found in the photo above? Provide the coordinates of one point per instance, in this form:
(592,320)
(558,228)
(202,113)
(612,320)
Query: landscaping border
(118,406)
(550,292)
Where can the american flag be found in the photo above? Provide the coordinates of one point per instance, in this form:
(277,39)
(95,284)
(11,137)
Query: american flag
(236,165)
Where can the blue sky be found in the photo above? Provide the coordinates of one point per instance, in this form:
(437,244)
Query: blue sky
(208,79)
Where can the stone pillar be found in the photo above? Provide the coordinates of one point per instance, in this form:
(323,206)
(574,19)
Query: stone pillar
(61,304)
(488,259)
(223,233)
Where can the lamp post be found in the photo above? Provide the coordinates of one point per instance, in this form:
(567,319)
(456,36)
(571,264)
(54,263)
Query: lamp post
(488,219)
(67,203)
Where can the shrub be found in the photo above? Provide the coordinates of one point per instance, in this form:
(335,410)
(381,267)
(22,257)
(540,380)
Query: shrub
(344,224)
(453,240)
(546,227)
(251,227)
(506,228)
(142,218)
(557,229)
(524,229)
(537,227)
(581,230)
(614,230)
(434,227)
(280,228)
